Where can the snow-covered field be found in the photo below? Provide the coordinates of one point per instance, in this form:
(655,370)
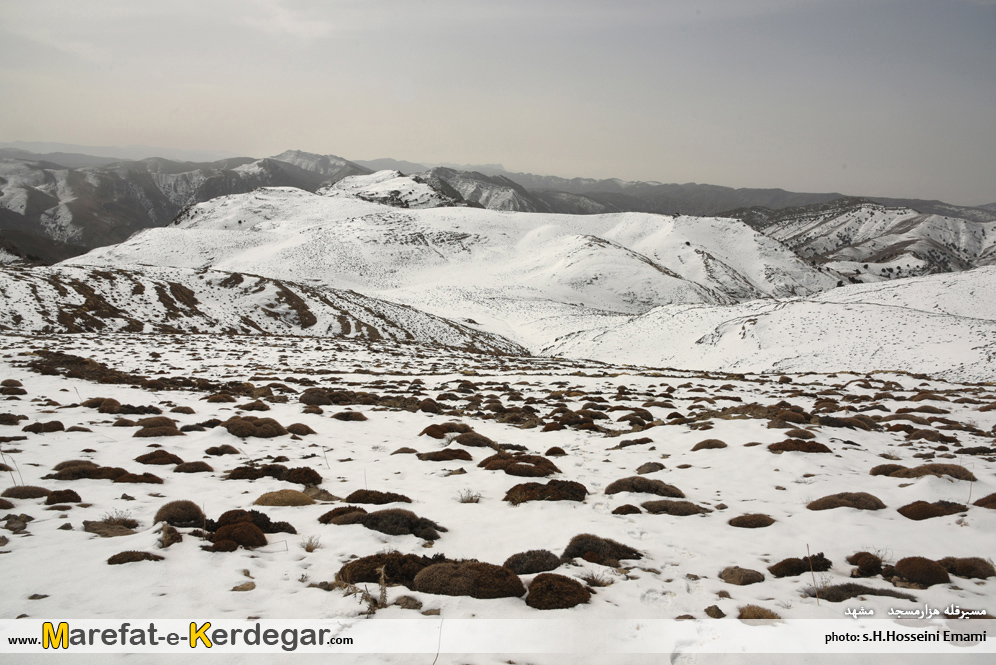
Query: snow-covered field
(612,423)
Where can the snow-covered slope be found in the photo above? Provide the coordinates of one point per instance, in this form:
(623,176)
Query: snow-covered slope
(391,188)
(942,325)
(470,263)
(173,300)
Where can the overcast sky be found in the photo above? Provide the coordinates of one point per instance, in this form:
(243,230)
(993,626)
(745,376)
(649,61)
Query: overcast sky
(871,97)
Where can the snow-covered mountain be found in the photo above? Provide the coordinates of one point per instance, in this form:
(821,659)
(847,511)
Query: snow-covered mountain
(393,189)
(147,299)
(861,237)
(510,272)
(942,325)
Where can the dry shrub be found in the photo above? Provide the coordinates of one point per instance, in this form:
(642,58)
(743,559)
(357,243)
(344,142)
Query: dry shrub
(675,508)
(132,555)
(181,513)
(756,613)
(555,490)
(641,485)
(146,432)
(970,567)
(649,467)
(793,567)
(157,421)
(955,471)
(405,450)
(302,475)
(603,551)
(398,522)
(300,429)
(328,517)
(245,534)
(549,591)
(256,472)
(987,501)
(921,510)
(62,496)
(533,561)
(25,492)
(247,426)
(222,450)
(398,568)
(109,405)
(528,466)
(797,433)
(376,497)
(5,504)
(885,469)
(315,397)
(284,498)
(136,478)
(349,416)
(73,462)
(186,410)
(474,440)
(555,451)
(709,444)
(469,578)
(89,472)
(158,457)
(446,455)
(44,428)
(193,467)
(223,546)
(857,500)
(838,593)
(220,398)
(440,430)
(255,406)
(626,509)
(752,521)
(921,571)
(799,446)
(868,564)
(740,576)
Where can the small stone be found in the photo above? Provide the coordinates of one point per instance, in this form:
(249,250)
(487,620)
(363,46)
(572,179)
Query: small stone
(408,603)
(714,611)
(37,596)
(456,472)
(431,613)
(106,530)
(248,586)
(66,527)
(721,506)
(740,576)
(318,494)
(127,497)
(684,617)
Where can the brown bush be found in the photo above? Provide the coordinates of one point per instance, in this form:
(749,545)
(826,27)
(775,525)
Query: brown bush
(440,430)
(25,492)
(885,469)
(603,551)
(44,428)
(255,406)
(222,450)
(90,472)
(157,421)
(799,446)
(284,498)
(792,567)
(193,467)
(223,546)
(186,410)
(446,455)
(256,472)
(709,444)
(300,429)
(159,456)
(649,467)
(328,517)
(247,426)
(474,440)
(62,496)
(675,508)
(549,591)
(868,564)
(220,398)
(955,471)
(555,490)
(921,510)
(641,485)
(5,504)
(626,509)
(856,500)
(181,513)
(302,475)
(245,534)
(396,522)
(398,568)
(752,521)
(147,432)
(376,497)
(533,561)
(970,567)
(469,578)
(405,450)
(987,501)
(740,576)
(73,462)
(921,571)
(838,593)
(796,433)
(349,416)
(528,466)
(109,405)
(132,555)
(555,451)
(136,478)
(756,613)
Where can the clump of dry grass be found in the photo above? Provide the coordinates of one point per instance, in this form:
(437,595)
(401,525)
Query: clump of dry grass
(533,561)
(311,543)
(752,521)
(132,555)
(284,498)
(756,613)
(469,496)
(549,591)
(641,485)
(602,551)
(25,492)
(857,500)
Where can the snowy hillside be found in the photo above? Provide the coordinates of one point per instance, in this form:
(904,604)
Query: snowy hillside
(470,263)
(918,325)
(391,188)
(179,300)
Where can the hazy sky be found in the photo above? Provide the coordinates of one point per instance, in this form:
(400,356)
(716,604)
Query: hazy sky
(873,97)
